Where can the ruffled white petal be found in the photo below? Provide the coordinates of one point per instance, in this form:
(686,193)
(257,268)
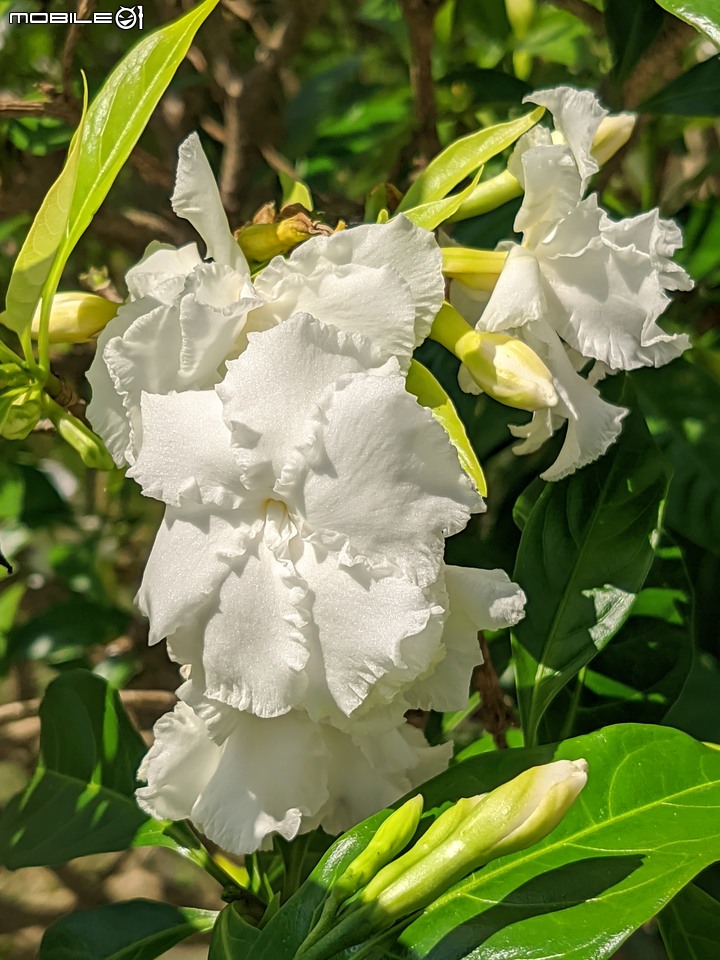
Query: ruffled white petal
(577,115)
(162,272)
(284,775)
(299,358)
(374,632)
(409,494)
(186,453)
(380,280)
(186,568)
(518,297)
(196,198)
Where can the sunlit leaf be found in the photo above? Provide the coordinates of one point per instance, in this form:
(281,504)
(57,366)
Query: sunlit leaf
(704,15)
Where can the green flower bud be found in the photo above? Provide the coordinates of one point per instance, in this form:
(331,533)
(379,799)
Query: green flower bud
(75,317)
(261,241)
(81,438)
(510,818)
(20,410)
(505,368)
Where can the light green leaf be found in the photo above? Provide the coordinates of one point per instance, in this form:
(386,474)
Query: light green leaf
(585,550)
(102,144)
(423,385)
(233,937)
(295,191)
(431,215)
(132,930)
(690,925)
(704,15)
(463,158)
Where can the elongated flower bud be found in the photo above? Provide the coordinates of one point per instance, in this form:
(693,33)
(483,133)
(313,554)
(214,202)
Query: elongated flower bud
(81,438)
(477,269)
(76,317)
(613,133)
(510,818)
(505,368)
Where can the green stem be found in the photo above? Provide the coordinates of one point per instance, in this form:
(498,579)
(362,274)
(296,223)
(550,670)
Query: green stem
(10,356)
(192,848)
(574,704)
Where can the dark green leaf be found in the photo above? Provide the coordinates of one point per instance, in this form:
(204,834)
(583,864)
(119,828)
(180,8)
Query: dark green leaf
(682,403)
(232,937)
(584,554)
(704,15)
(133,930)
(631,28)
(690,925)
(80,800)
(695,93)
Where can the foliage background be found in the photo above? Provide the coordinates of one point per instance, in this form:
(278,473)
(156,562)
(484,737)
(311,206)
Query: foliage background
(349,94)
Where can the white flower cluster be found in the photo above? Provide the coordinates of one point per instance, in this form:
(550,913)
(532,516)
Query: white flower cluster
(581,290)
(298,574)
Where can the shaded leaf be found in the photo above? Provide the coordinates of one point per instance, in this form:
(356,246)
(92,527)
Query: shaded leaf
(233,937)
(584,554)
(132,930)
(631,28)
(690,925)
(695,93)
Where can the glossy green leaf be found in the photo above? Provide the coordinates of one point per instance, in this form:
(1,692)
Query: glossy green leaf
(641,674)
(631,28)
(233,937)
(102,144)
(704,15)
(643,827)
(463,158)
(584,554)
(690,925)
(132,930)
(423,385)
(80,800)
(682,403)
(695,93)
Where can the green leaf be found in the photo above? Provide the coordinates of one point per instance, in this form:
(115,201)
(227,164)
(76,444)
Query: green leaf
(584,554)
(640,675)
(423,385)
(80,800)
(643,827)
(132,930)
(682,403)
(233,937)
(295,191)
(631,28)
(695,93)
(430,215)
(690,925)
(463,157)
(100,147)
(704,15)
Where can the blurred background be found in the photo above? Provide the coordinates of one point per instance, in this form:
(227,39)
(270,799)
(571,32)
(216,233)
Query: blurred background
(347,94)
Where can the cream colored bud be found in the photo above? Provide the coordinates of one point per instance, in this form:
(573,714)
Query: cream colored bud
(76,317)
(504,367)
(613,133)
(477,269)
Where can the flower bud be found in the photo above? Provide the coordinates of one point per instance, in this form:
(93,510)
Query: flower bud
(477,269)
(76,317)
(20,410)
(505,368)
(263,241)
(613,133)
(90,447)
(510,818)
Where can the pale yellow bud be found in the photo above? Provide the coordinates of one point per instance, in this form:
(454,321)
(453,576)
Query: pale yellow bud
(477,269)
(76,317)
(613,133)
(505,368)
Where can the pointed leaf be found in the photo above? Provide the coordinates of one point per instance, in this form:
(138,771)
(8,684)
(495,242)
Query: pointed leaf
(690,925)
(704,15)
(233,937)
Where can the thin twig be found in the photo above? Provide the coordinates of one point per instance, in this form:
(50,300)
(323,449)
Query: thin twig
(84,10)
(494,712)
(420,17)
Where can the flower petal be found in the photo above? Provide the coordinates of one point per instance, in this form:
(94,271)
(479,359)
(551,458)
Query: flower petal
(186,453)
(400,633)
(381,280)
(410,493)
(162,272)
(196,198)
(577,115)
(299,358)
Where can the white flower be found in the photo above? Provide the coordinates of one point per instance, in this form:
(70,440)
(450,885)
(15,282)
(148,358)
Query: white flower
(581,288)
(241,779)
(185,316)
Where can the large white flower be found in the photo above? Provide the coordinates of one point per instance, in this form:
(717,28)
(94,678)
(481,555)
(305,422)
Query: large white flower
(300,562)
(185,316)
(581,289)
(241,779)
